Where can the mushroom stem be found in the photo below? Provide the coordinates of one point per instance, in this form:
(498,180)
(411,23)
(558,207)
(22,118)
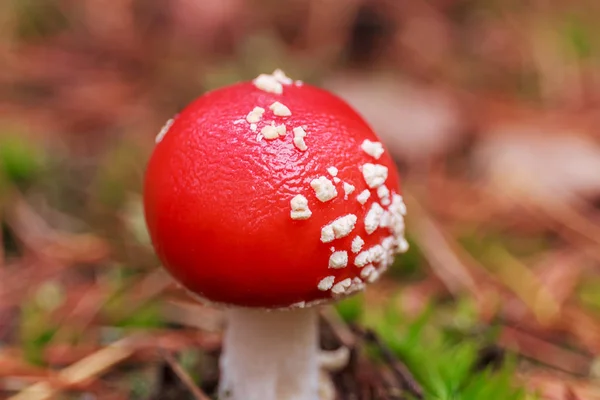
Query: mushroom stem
(270,355)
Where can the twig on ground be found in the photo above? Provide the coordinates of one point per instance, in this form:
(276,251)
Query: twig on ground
(339,327)
(442,259)
(545,352)
(83,370)
(401,371)
(184,376)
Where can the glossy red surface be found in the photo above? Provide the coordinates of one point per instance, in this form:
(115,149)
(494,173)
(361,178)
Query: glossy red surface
(217,201)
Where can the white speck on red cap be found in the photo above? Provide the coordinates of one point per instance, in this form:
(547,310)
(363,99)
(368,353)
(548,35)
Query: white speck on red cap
(273,132)
(377,253)
(373,276)
(367,271)
(398,204)
(341,286)
(363,196)
(163,131)
(402,245)
(327,234)
(373,218)
(281,77)
(374,149)
(397,211)
(344,225)
(388,243)
(280,110)
(300,144)
(357,244)
(269,132)
(333,171)
(384,194)
(375,174)
(324,189)
(300,210)
(268,83)
(348,189)
(356,285)
(281,129)
(299,135)
(326,283)
(255,115)
(372,255)
(339,228)
(299,131)
(362,259)
(386,220)
(339,259)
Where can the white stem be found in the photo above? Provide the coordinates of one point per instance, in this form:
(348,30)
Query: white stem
(270,355)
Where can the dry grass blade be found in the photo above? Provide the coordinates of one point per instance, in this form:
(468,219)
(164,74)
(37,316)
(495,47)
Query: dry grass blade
(40,238)
(525,284)
(570,226)
(560,272)
(582,325)
(558,387)
(571,218)
(184,376)
(544,351)
(11,365)
(83,370)
(509,271)
(193,314)
(439,252)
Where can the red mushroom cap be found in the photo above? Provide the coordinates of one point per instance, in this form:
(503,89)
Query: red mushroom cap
(244,220)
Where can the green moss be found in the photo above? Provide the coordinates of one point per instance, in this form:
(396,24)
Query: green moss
(578,37)
(120,173)
(35,332)
(20,161)
(481,244)
(445,367)
(589,293)
(408,265)
(38,19)
(351,309)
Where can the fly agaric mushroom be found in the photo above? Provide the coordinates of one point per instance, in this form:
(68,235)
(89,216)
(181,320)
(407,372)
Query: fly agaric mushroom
(271,197)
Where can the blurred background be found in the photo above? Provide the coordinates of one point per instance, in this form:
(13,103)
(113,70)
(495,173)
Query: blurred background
(490,108)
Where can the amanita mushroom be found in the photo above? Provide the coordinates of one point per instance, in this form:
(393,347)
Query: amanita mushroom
(271,197)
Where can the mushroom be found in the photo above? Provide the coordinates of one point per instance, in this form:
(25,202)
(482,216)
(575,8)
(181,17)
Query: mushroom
(269,198)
